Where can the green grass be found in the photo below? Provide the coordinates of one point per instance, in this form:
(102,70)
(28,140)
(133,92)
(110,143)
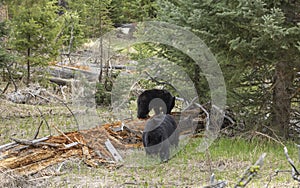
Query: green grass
(237,154)
(21,121)
(25,128)
(228,159)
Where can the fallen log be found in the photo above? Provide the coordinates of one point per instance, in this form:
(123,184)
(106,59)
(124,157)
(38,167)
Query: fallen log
(61,81)
(67,72)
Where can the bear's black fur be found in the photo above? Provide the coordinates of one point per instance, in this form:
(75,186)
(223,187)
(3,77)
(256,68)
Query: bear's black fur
(159,134)
(161,101)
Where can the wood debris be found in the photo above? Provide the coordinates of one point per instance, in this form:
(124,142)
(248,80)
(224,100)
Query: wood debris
(113,151)
(25,157)
(96,146)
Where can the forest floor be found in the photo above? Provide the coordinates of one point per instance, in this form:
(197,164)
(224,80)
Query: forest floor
(227,158)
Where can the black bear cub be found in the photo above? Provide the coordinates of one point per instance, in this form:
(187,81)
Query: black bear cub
(161,101)
(159,135)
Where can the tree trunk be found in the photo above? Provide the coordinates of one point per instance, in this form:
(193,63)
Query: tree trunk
(196,78)
(28,60)
(11,78)
(281,106)
(101,50)
(28,67)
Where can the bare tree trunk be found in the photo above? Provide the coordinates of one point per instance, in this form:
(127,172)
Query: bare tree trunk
(107,83)
(71,43)
(196,78)
(101,50)
(11,78)
(5,88)
(28,60)
(28,67)
(281,105)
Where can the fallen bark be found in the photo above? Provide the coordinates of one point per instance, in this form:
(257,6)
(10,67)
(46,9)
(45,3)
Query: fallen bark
(25,157)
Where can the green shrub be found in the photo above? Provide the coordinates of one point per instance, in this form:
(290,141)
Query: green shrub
(102,96)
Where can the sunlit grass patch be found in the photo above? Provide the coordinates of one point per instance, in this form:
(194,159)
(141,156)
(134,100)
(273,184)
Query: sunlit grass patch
(227,158)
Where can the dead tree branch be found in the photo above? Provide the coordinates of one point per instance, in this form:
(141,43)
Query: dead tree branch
(38,130)
(275,174)
(215,183)
(42,115)
(206,113)
(265,135)
(159,82)
(35,142)
(65,104)
(8,146)
(62,133)
(251,172)
(295,172)
(11,77)
(5,88)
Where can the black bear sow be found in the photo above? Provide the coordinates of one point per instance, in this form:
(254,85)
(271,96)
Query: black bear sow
(161,101)
(159,135)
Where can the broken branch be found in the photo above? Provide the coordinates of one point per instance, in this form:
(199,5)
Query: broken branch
(295,172)
(251,172)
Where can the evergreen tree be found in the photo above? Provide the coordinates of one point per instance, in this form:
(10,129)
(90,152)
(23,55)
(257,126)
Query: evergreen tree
(35,27)
(4,56)
(6,59)
(257,45)
(123,12)
(94,16)
(71,34)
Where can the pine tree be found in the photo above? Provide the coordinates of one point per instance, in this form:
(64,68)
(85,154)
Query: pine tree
(6,59)
(123,12)
(94,16)
(257,44)
(3,54)
(35,26)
